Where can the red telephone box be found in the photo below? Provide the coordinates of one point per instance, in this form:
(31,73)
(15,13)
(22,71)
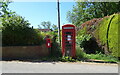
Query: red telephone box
(68,40)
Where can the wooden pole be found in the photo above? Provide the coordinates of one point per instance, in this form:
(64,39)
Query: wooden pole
(59,40)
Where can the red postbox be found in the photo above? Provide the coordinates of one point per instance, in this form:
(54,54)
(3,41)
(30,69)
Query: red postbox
(48,42)
(68,40)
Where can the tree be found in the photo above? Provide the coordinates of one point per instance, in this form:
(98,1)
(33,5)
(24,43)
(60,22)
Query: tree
(101,9)
(10,18)
(54,27)
(79,14)
(4,11)
(15,29)
(84,11)
(45,25)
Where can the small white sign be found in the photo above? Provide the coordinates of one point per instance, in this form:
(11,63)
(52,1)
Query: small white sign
(68,28)
(48,44)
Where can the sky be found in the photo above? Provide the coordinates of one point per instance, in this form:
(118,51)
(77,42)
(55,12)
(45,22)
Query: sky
(37,12)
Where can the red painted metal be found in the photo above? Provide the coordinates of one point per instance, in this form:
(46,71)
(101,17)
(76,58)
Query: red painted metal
(68,40)
(48,42)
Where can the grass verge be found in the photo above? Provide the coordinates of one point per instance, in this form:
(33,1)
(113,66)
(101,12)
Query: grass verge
(102,57)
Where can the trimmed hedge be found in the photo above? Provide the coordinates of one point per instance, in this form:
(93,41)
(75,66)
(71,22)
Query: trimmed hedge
(21,37)
(16,32)
(101,33)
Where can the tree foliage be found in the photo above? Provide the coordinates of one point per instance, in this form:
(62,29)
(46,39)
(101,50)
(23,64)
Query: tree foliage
(54,27)
(47,25)
(16,30)
(84,11)
(4,11)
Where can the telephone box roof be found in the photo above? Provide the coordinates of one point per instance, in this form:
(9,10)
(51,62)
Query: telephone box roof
(68,25)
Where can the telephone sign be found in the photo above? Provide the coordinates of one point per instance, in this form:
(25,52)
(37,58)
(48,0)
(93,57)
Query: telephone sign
(68,40)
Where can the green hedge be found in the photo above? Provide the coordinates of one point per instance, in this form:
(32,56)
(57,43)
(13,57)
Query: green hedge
(113,36)
(16,32)
(21,37)
(101,30)
(101,33)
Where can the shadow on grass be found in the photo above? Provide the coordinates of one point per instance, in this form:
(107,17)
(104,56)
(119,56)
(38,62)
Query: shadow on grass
(37,60)
(57,59)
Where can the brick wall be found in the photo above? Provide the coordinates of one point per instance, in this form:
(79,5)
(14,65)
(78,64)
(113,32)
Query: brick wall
(24,52)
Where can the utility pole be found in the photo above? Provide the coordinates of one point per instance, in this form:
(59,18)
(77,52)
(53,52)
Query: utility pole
(59,40)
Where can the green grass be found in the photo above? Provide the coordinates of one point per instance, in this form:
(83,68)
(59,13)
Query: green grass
(107,58)
(103,57)
(81,56)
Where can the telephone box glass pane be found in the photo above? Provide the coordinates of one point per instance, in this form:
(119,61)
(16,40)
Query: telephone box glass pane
(68,32)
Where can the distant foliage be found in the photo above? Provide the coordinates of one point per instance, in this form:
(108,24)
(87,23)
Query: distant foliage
(47,25)
(85,11)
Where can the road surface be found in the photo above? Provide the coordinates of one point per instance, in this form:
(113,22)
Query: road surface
(57,67)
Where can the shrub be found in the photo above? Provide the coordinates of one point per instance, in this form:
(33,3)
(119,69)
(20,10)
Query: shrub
(16,31)
(56,49)
(88,43)
(79,53)
(67,59)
